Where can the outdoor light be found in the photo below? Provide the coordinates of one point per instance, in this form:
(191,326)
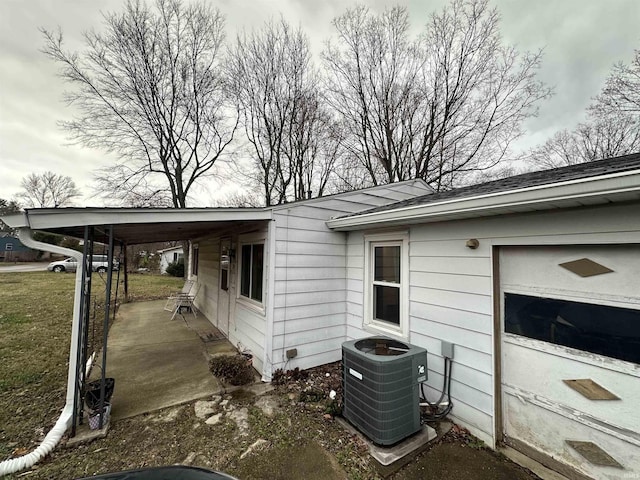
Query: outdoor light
(473,243)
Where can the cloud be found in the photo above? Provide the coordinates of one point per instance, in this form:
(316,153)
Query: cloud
(581,38)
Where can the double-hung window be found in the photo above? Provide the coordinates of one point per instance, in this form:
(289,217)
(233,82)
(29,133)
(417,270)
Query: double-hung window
(251,270)
(386,284)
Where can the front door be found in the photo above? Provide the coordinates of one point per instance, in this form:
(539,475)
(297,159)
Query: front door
(224,279)
(571,356)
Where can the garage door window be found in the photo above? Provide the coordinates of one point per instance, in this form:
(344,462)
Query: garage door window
(600,329)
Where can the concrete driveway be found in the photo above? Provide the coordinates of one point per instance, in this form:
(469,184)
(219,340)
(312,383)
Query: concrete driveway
(23,267)
(157,362)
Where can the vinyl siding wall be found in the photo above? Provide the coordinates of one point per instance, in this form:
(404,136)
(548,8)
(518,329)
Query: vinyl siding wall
(451,293)
(310,298)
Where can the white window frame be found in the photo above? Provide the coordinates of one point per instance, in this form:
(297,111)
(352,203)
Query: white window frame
(194,247)
(370,324)
(248,301)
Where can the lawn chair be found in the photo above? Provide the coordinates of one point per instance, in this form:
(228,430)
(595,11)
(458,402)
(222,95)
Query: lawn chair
(187,301)
(170,306)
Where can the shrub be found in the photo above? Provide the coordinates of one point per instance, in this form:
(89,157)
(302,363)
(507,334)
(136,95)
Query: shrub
(234,369)
(176,269)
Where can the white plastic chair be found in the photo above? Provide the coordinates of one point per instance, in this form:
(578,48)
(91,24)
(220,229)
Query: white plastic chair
(170,305)
(187,301)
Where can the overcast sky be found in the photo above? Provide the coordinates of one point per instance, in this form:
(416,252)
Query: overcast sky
(581,39)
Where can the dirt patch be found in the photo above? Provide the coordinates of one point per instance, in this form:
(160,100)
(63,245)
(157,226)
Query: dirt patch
(308,460)
(459,460)
(284,438)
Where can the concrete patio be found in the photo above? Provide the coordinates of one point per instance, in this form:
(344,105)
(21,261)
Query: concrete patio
(158,362)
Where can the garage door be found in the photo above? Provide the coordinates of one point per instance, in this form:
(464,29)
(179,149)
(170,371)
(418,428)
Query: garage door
(571,355)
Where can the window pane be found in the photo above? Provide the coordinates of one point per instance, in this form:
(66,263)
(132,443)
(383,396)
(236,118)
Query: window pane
(256,274)
(224,279)
(386,304)
(194,261)
(245,274)
(387,264)
(600,329)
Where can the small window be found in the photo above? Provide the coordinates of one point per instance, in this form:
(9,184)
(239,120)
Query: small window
(385,293)
(8,246)
(601,329)
(194,260)
(251,268)
(386,283)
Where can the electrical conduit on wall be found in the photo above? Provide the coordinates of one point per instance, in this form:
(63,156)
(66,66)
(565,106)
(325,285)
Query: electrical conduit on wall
(64,421)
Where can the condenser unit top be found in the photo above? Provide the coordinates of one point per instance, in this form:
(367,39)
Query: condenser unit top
(382,349)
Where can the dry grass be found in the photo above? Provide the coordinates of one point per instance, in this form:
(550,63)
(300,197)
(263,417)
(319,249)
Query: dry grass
(35,324)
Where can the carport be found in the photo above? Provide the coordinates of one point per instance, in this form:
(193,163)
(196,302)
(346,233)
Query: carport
(115,228)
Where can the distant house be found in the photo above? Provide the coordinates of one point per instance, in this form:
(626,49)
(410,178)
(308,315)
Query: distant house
(533,279)
(170,255)
(12,250)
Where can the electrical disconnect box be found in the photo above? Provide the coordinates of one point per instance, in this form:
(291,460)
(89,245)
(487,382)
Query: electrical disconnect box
(446,349)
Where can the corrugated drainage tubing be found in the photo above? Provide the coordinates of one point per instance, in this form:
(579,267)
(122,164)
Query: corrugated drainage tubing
(52,438)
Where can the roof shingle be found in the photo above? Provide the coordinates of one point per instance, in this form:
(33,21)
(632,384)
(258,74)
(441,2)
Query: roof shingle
(526,180)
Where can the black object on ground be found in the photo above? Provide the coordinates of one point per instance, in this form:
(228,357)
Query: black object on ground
(92,393)
(174,472)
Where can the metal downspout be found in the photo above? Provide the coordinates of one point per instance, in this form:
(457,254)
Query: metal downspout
(267,364)
(66,417)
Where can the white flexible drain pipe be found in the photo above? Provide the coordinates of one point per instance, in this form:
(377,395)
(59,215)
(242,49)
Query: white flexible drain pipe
(64,421)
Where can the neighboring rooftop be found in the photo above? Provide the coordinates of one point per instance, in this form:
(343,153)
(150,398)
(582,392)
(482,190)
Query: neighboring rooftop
(527,180)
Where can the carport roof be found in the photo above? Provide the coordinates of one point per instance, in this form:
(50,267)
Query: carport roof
(137,225)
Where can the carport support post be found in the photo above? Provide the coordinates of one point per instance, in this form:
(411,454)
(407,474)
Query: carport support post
(105,326)
(126,273)
(83,329)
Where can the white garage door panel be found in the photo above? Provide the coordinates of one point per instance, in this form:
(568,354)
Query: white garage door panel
(537,269)
(543,373)
(539,409)
(548,433)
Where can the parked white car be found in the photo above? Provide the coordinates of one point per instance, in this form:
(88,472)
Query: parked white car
(70,265)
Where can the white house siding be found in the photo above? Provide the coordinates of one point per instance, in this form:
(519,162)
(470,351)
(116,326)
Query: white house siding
(208,280)
(310,285)
(451,293)
(247,324)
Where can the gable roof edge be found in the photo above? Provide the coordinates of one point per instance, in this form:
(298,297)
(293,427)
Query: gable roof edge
(538,197)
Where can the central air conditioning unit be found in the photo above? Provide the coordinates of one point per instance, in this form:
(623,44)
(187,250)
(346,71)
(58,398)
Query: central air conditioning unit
(381,386)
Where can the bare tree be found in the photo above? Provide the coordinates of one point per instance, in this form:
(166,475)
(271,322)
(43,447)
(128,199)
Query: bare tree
(47,189)
(275,87)
(612,127)
(125,185)
(7,207)
(622,90)
(437,107)
(601,137)
(314,143)
(150,89)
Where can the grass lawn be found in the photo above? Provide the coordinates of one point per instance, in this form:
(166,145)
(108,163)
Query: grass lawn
(35,329)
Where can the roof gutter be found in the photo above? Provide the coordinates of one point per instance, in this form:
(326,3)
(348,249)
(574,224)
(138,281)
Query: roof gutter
(66,417)
(495,203)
